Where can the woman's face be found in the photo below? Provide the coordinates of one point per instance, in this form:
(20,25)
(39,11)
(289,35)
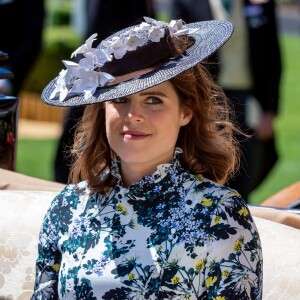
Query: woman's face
(142,128)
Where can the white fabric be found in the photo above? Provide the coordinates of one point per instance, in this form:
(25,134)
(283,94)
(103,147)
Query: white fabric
(280,246)
(21,217)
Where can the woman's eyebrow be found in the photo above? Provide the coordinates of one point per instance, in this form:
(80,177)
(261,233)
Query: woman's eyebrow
(153,93)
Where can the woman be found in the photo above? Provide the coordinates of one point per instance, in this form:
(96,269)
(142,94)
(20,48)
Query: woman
(147,216)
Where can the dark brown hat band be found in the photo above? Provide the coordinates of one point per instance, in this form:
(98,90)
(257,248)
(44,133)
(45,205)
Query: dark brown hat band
(146,56)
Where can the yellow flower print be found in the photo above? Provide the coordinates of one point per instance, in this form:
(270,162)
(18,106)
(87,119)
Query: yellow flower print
(225,273)
(172,262)
(131,259)
(210,281)
(243,212)
(217,219)
(185,297)
(219,298)
(132,224)
(200,179)
(106,190)
(206,202)
(121,208)
(175,280)
(235,193)
(56,267)
(199,265)
(237,246)
(131,276)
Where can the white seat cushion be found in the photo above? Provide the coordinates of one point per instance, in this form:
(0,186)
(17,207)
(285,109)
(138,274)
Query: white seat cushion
(280,246)
(22,213)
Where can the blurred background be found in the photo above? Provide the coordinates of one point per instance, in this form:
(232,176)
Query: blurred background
(40,125)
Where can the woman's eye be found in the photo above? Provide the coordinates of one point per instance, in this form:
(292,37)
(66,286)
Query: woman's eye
(153,100)
(119,100)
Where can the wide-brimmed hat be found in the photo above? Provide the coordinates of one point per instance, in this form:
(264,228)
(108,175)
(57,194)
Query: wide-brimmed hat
(132,60)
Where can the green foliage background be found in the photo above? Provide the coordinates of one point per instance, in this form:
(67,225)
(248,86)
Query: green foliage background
(59,41)
(287,170)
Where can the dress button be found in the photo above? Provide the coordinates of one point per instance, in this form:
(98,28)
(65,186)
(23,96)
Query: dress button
(189,202)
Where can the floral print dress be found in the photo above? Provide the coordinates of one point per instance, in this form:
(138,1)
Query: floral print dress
(173,235)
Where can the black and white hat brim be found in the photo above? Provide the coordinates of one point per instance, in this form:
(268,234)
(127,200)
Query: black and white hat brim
(208,37)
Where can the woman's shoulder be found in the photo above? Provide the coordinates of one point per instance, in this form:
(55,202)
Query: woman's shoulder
(70,202)
(211,193)
(71,195)
(202,185)
(219,200)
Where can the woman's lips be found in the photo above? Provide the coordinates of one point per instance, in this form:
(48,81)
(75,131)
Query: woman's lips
(134,135)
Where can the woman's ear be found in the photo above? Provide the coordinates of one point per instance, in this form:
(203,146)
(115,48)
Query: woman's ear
(187,115)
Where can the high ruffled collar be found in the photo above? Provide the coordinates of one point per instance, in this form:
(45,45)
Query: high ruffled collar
(150,180)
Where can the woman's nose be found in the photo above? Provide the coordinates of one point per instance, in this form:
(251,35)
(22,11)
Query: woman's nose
(134,113)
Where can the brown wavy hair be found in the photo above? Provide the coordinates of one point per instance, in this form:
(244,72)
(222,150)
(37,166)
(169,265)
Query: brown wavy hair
(208,140)
(208,143)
